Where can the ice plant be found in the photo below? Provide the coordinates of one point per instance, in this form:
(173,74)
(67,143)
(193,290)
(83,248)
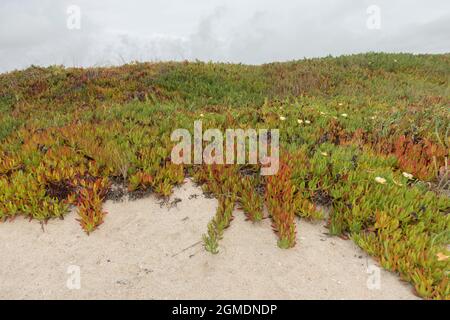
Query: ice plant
(420,158)
(280,202)
(250,201)
(90,202)
(61,126)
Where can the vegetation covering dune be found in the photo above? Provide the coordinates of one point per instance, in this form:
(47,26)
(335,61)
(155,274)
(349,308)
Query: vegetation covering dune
(365,135)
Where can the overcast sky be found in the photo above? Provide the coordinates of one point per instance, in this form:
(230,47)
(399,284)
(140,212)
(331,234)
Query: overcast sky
(249,31)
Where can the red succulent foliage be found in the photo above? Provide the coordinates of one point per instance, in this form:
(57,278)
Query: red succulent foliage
(280,202)
(420,158)
(90,200)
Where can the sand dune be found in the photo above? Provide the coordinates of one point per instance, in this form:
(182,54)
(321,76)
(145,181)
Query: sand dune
(148,250)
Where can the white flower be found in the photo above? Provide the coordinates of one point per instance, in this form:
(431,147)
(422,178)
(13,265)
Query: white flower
(340,104)
(408,175)
(373,118)
(380,180)
(202,115)
(307,121)
(299,121)
(344,115)
(282,118)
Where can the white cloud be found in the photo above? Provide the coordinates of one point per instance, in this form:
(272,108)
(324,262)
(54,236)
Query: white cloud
(252,31)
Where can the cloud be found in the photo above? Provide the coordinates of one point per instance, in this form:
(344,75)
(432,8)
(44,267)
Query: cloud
(37,33)
(254,31)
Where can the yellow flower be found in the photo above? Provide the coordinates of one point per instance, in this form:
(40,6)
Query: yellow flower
(441,256)
(299,121)
(340,104)
(202,115)
(324,154)
(380,180)
(282,118)
(408,175)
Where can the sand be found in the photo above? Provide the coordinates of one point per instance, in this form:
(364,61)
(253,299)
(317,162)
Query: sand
(145,250)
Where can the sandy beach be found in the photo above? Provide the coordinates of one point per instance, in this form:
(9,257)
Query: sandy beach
(152,250)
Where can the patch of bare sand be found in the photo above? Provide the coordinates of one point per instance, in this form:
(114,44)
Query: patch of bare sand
(146,251)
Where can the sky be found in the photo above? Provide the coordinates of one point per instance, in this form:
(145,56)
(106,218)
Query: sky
(113,32)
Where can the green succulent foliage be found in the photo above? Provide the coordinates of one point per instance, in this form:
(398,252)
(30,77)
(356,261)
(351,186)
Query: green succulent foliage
(351,126)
